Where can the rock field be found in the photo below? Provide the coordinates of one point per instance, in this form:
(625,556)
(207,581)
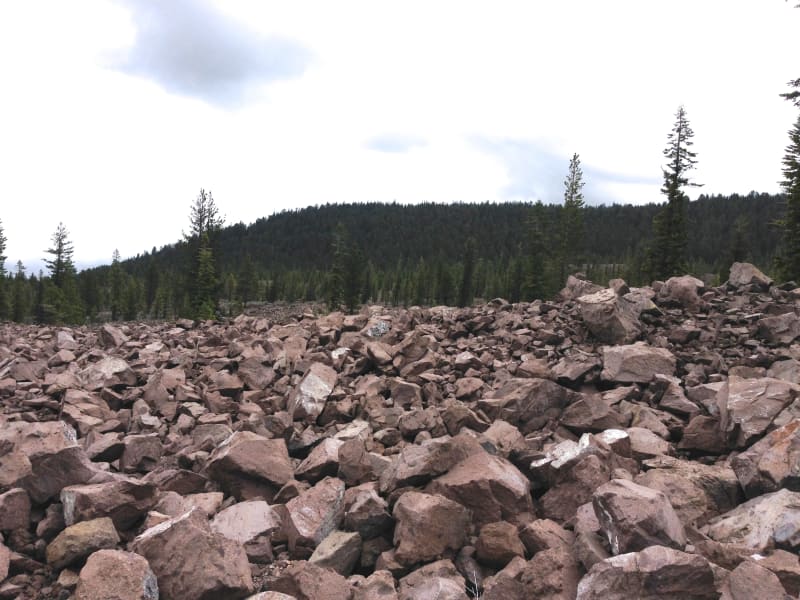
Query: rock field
(617,443)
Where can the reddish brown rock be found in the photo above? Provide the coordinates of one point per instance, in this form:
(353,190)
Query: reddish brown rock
(15,510)
(498,543)
(611,319)
(750,578)
(125,501)
(313,515)
(771,463)
(655,573)
(306,581)
(191,561)
(80,540)
(132,577)
(339,551)
(140,453)
(633,517)
(427,526)
(308,400)
(439,580)
(490,487)
(248,465)
(636,363)
(244,522)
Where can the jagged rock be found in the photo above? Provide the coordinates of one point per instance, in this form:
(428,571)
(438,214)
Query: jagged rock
(305,580)
(498,543)
(780,329)
(575,288)
(527,403)
(132,577)
(427,526)
(786,566)
(15,510)
(339,551)
(308,400)
(109,372)
(748,577)
(436,581)
(244,522)
(313,515)
(747,407)
(744,274)
(378,586)
(633,517)
(655,573)
(125,501)
(771,463)
(191,561)
(610,318)
(636,363)
(766,522)
(248,465)
(110,336)
(489,486)
(322,461)
(591,414)
(683,291)
(80,540)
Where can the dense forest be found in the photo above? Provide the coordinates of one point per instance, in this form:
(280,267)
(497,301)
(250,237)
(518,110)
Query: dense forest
(411,254)
(424,254)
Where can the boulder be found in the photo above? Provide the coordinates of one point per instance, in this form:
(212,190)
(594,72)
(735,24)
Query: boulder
(761,524)
(132,577)
(244,522)
(306,581)
(771,463)
(248,465)
(491,487)
(744,274)
(636,363)
(308,399)
(747,407)
(109,372)
(339,551)
(313,515)
(15,510)
(748,577)
(80,540)
(779,329)
(125,501)
(427,526)
(633,517)
(655,573)
(191,561)
(610,318)
(683,291)
(498,543)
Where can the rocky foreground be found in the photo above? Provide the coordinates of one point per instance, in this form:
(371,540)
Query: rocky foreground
(620,443)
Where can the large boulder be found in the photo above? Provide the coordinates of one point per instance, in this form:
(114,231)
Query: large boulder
(248,465)
(633,517)
(610,318)
(779,329)
(527,403)
(308,399)
(132,577)
(489,486)
(771,463)
(761,524)
(191,561)
(427,526)
(744,274)
(636,363)
(747,407)
(80,540)
(655,573)
(682,291)
(313,515)
(125,501)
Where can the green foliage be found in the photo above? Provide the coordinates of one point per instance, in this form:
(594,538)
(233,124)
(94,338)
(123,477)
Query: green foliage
(117,286)
(539,281)
(789,257)
(60,299)
(345,280)
(201,291)
(21,298)
(571,229)
(668,251)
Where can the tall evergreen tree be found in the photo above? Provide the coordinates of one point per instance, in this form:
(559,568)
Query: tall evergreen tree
(667,255)
(466,289)
(571,231)
(789,257)
(538,278)
(117,281)
(63,296)
(20,306)
(61,265)
(204,225)
(5,308)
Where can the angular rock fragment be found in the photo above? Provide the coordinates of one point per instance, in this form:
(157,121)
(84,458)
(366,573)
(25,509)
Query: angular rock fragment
(771,463)
(132,577)
(610,318)
(636,363)
(80,540)
(308,400)
(427,526)
(313,515)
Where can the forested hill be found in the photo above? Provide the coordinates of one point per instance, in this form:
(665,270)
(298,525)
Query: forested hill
(390,233)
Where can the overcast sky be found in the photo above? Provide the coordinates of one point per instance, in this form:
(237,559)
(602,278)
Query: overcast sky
(114,113)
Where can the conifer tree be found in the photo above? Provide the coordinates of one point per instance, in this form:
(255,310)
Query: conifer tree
(4,300)
(20,305)
(667,254)
(571,230)
(116,277)
(538,281)
(204,299)
(202,286)
(789,257)
(63,295)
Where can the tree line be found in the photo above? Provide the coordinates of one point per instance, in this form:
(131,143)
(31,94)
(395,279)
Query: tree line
(423,254)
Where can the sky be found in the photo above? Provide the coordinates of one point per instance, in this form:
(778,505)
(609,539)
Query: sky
(115,113)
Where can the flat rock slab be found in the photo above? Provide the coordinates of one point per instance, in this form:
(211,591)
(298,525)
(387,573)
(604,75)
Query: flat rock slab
(636,363)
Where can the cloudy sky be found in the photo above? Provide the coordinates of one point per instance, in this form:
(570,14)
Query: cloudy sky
(114,113)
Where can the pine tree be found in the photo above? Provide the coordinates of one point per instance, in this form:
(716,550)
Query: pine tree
(61,265)
(63,296)
(466,289)
(117,280)
(4,301)
(202,287)
(20,305)
(789,257)
(247,281)
(571,230)
(667,254)
(538,279)
(345,277)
